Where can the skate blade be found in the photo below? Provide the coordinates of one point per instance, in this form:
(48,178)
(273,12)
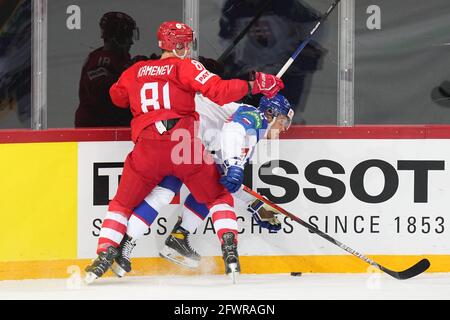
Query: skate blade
(90,278)
(234,272)
(118,270)
(173,256)
(234,276)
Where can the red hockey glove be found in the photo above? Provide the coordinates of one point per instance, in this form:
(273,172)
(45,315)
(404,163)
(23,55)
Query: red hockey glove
(266,84)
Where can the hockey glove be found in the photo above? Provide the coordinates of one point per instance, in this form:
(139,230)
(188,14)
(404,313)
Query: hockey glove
(265,218)
(266,84)
(233,178)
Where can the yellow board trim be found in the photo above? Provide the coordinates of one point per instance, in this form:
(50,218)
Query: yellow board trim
(19,270)
(38,201)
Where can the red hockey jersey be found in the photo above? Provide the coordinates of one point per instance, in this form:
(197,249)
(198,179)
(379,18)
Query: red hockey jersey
(165,89)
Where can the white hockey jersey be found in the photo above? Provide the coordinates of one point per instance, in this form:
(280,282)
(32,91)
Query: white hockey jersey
(230,131)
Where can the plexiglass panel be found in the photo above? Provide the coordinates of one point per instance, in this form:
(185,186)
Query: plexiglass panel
(271,38)
(402,62)
(15,64)
(85,59)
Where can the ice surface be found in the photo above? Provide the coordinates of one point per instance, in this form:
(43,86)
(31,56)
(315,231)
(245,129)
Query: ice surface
(251,287)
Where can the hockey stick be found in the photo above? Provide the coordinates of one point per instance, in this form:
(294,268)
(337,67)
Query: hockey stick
(306,41)
(413,271)
(239,37)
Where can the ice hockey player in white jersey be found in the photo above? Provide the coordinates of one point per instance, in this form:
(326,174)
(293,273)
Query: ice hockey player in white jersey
(230,133)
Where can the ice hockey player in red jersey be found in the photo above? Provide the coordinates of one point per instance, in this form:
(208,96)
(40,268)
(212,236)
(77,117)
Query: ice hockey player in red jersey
(102,68)
(160,94)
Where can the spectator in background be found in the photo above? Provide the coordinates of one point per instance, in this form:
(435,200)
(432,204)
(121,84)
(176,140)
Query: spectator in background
(15,60)
(103,68)
(270,42)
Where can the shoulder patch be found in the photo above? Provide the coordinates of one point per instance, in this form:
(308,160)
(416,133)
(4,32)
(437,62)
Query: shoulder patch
(97,73)
(204,76)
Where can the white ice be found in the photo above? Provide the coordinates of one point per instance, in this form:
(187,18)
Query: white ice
(251,287)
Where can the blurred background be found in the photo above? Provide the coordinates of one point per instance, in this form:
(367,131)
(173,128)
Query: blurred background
(401,54)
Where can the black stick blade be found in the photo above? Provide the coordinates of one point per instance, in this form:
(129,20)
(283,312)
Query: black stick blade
(415,270)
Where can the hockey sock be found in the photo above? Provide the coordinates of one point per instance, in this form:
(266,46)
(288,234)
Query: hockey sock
(113,229)
(224,220)
(193,214)
(144,214)
(141,219)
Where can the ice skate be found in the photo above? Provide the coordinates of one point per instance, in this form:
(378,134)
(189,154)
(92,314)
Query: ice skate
(101,264)
(230,256)
(122,263)
(178,250)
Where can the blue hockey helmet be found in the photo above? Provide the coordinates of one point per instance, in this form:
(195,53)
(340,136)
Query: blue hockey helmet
(276,106)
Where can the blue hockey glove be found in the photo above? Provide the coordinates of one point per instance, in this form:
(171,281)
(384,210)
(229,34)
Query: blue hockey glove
(265,218)
(233,179)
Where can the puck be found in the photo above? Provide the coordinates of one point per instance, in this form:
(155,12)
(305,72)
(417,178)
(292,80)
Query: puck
(296,274)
